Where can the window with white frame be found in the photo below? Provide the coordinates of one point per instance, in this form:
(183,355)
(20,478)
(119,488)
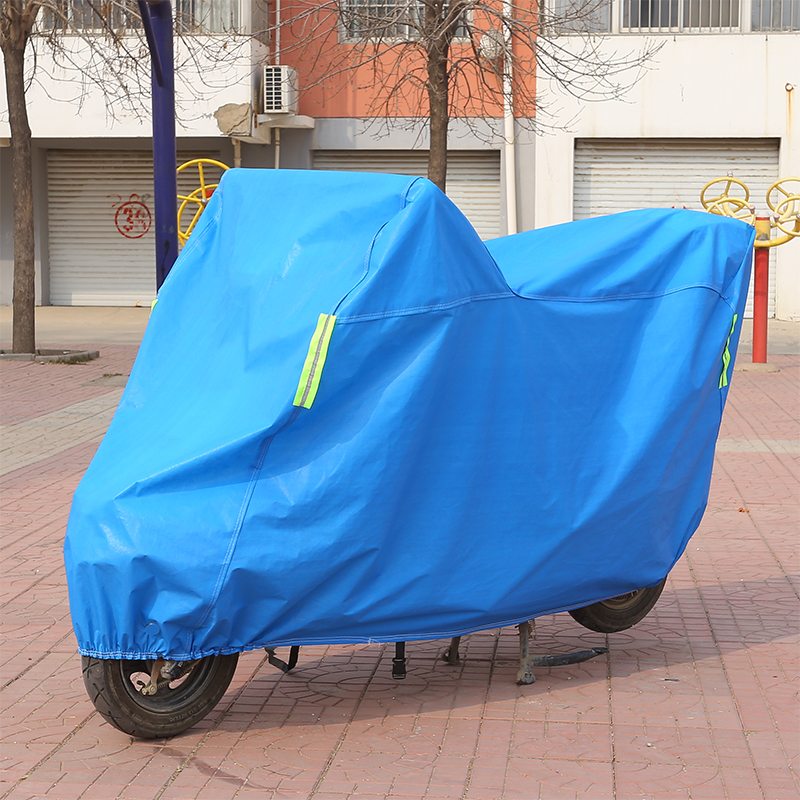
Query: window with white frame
(673,16)
(90,15)
(386,19)
(208,16)
(191,16)
(579,16)
(775,15)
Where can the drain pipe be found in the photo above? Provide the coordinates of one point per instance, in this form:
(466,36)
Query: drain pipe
(277,56)
(277,59)
(509,148)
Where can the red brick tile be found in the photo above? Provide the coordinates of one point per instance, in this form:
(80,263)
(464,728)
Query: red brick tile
(699,703)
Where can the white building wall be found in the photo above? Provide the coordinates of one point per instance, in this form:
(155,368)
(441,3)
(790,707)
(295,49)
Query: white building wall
(62,105)
(699,86)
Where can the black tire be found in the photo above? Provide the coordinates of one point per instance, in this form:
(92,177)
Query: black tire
(112,687)
(618,613)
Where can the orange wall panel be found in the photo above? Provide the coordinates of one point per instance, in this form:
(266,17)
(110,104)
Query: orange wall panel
(343,79)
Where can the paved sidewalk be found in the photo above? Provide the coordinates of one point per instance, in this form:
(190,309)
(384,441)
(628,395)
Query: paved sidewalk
(80,327)
(697,701)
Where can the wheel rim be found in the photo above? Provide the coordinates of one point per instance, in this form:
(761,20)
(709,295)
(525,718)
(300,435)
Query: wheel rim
(623,601)
(173,695)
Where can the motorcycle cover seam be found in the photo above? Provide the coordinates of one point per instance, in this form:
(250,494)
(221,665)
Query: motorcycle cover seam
(240,522)
(406,312)
(371,247)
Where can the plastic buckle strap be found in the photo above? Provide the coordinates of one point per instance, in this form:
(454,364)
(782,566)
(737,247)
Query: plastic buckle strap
(283,666)
(399,661)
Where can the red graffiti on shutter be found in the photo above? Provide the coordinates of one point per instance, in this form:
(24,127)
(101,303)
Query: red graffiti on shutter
(133,218)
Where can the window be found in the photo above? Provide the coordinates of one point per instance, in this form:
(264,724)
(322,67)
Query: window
(207,16)
(580,16)
(364,19)
(775,15)
(191,16)
(673,16)
(90,15)
(386,19)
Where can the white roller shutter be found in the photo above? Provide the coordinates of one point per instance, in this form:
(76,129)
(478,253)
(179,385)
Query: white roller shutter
(614,175)
(100,226)
(473,177)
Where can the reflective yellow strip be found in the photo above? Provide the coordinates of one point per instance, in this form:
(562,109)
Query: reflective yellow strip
(726,356)
(315,361)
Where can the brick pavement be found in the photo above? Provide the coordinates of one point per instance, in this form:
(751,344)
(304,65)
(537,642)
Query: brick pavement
(697,701)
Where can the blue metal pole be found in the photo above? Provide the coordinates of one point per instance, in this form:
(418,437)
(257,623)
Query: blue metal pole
(157,19)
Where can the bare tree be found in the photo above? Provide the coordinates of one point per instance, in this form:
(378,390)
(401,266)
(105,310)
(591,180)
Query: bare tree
(90,44)
(105,58)
(466,58)
(16,23)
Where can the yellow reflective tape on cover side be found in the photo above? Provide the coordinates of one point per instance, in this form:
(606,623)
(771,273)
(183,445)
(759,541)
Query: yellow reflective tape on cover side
(315,361)
(726,356)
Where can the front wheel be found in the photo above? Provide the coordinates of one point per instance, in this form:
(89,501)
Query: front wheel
(618,613)
(115,687)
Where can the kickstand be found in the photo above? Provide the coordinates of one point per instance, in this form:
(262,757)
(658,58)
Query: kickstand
(527,661)
(283,666)
(451,655)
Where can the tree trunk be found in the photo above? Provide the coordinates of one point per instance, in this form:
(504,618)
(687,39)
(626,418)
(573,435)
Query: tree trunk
(439,113)
(24,298)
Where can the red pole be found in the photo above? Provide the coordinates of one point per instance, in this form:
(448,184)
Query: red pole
(760,295)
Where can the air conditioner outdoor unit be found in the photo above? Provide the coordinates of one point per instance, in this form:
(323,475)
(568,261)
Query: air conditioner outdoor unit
(279,90)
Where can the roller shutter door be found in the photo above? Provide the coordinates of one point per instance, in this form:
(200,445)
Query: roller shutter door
(614,175)
(100,225)
(473,177)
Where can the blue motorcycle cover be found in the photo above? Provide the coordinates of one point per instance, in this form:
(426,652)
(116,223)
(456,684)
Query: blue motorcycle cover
(351,420)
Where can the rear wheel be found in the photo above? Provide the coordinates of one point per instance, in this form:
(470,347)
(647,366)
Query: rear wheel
(618,613)
(115,687)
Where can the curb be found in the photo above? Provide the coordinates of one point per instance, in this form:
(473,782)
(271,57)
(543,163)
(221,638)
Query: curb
(52,356)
